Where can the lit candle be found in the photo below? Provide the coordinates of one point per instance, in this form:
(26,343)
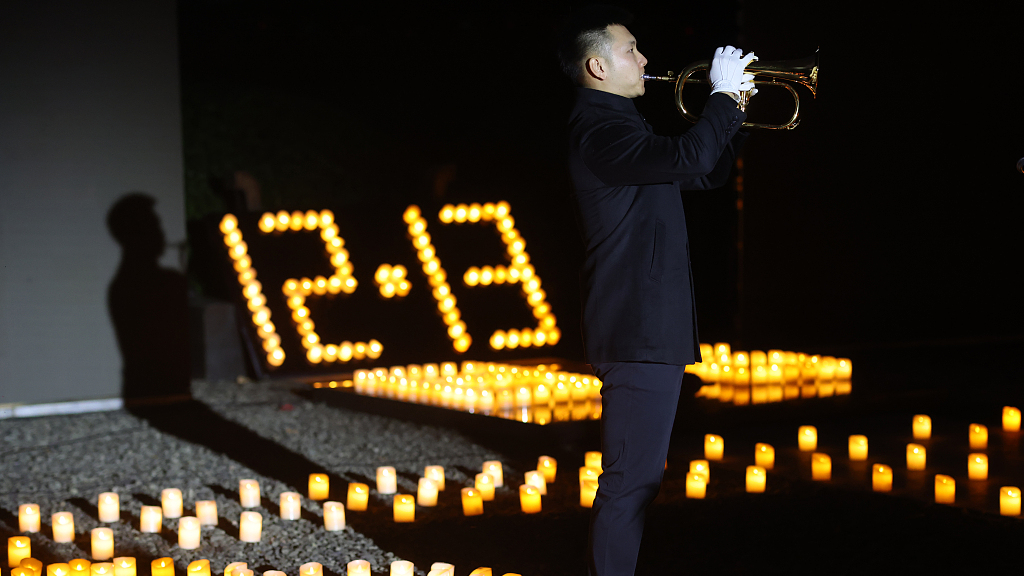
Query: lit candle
(162,567)
(151,519)
(756,479)
(483,571)
(290,505)
(587,473)
(426,492)
(441,569)
(536,479)
(714,447)
(250,527)
(807,437)
(18,548)
(701,467)
(387,482)
(358,568)
(249,493)
(978,435)
(274,573)
(435,473)
(881,478)
(198,568)
(206,512)
(233,568)
(821,466)
(188,532)
(404,508)
(592,459)
(922,427)
(493,467)
(101,569)
(588,491)
(22,571)
(858,447)
(358,494)
(402,568)
(472,503)
(1011,419)
(1009,501)
(102,544)
(548,466)
(124,566)
(529,499)
(916,456)
(334,516)
(58,569)
(36,566)
(977,467)
(170,501)
(764,455)
(79,567)
(945,489)
(63,527)
(311,569)
(319,486)
(696,485)
(109,507)
(485,485)
(28,517)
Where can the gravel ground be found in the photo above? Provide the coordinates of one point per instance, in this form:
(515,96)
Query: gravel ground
(63,463)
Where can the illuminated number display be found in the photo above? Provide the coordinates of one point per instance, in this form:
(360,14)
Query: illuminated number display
(393,281)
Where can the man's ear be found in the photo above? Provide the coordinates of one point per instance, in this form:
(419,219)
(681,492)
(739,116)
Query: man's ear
(594,67)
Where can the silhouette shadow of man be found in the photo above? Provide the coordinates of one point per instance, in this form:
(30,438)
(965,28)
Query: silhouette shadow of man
(148,305)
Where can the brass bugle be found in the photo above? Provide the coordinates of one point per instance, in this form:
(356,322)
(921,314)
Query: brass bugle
(784,73)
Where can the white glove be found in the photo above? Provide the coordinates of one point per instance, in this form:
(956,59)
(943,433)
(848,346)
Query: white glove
(726,74)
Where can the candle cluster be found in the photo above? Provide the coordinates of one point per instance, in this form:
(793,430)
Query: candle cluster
(546,333)
(391,280)
(759,377)
(539,394)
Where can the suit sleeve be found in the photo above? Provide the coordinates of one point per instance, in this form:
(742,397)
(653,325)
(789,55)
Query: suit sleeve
(620,154)
(719,175)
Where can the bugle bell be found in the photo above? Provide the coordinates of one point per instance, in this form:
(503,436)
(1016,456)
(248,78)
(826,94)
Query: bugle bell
(782,73)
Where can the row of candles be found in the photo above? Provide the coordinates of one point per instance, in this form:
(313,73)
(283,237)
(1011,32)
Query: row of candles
(721,364)
(881,474)
(128,566)
(743,395)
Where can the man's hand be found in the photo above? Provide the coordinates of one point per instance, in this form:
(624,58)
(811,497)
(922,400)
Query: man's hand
(726,73)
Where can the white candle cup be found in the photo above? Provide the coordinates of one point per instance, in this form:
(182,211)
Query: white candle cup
(807,438)
(358,568)
(435,473)
(311,569)
(274,573)
(28,518)
(233,568)
(109,507)
(426,492)
(206,512)
(404,508)
(977,466)
(858,446)
(291,505)
(319,486)
(535,478)
(334,516)
(978,437)
(151,519)
(170,501)
(484,484)
(441,569)
(250,527)
(102,544)
(402,568)
(1009,501)
(387,482)
(922,427)
(63,527)
(548,466)
(188,532)
(125,566)
(493,467)
(249,493)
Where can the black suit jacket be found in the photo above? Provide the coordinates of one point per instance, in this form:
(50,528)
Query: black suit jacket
(635,280)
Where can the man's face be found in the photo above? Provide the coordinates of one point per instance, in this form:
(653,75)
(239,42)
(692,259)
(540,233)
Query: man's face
(623,65)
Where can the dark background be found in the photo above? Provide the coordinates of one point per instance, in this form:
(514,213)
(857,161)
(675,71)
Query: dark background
(886,221)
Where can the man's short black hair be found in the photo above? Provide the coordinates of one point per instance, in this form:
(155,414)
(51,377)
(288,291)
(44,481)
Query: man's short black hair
(585,33)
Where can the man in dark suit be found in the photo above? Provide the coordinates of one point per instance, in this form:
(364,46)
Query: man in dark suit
(639,326)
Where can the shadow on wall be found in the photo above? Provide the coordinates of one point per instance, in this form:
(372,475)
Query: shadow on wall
(148,306)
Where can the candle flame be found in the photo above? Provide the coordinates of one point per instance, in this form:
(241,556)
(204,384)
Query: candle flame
(62,520)
(20,544)
(125,564)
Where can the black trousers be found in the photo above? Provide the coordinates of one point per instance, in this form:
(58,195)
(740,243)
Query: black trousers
(638,402)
